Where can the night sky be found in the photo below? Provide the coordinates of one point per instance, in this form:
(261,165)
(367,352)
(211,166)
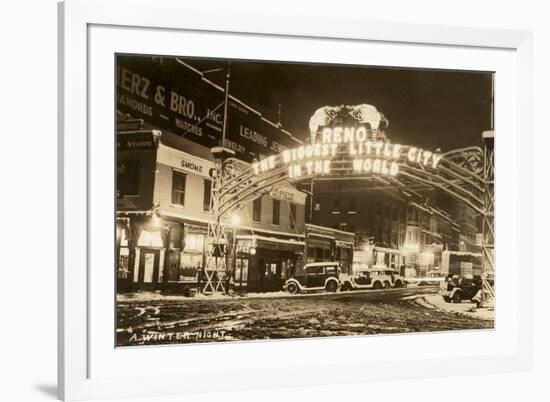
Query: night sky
(427,108)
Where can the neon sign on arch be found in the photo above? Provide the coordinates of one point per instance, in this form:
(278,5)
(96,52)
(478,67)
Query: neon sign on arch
(361,148)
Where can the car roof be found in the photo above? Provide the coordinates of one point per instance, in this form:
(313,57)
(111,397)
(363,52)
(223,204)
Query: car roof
(374,269)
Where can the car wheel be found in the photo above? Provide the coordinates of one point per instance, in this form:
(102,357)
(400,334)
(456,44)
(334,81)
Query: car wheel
(387,285)
(331,286)
(292,288)
(398,284)
(457,298)
(377,285)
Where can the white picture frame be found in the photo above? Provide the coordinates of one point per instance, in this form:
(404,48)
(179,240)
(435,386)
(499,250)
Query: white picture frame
(79,379)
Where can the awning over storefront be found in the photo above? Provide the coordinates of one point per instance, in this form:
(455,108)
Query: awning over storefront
(295,248)
(274,243)
(344,244)
(321,243)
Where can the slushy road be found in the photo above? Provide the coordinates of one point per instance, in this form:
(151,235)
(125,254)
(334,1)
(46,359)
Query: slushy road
(192,320)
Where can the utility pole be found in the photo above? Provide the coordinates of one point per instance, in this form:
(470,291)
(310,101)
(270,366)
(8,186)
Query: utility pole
(226,103)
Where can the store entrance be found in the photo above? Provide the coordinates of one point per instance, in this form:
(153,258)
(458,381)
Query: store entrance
(269,272)
(148,271)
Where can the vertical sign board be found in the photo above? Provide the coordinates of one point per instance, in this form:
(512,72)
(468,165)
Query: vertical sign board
(171,96)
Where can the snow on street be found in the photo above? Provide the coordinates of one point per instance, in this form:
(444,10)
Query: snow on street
(172,320)
(463,308)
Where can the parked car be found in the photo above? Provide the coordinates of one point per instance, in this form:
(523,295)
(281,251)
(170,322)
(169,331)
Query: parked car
(374,278)
(317,276)
(432,278)
(465,287)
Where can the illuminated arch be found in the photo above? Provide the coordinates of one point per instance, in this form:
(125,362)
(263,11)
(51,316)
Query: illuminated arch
(466,174)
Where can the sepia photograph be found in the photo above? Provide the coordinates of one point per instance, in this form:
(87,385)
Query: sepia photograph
(260,200)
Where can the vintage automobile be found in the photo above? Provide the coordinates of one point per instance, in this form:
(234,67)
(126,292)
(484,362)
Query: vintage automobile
(465,287)
(432,278)
(374,278)
(318,276)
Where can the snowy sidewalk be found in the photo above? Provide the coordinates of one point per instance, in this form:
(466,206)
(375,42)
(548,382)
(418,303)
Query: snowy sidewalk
(463,308)
(370,295)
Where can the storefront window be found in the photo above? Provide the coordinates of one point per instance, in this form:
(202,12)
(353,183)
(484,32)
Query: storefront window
(123,268)
(241,268)
(150,239)
(123,238)
(190,264)
(194,242)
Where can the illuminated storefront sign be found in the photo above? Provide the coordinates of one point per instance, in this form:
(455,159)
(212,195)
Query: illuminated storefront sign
(354,148)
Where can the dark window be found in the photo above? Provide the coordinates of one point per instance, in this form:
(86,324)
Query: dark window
(178,187)
(292,220)
(257,210)
(336,205)
(276,212)
(379,208)
(318,253)
(343,226)
(352,227)
(207,194)
(315,270)
(352,205)
(127,178)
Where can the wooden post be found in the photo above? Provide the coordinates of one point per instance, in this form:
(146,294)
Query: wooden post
(168,233)
(132,242)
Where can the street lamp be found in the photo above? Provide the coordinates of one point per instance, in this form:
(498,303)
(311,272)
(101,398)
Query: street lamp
(155,220)
(235,220)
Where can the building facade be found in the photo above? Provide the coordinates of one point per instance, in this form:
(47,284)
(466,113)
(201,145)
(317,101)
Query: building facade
(391,228)
(168,119)
(163,209)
